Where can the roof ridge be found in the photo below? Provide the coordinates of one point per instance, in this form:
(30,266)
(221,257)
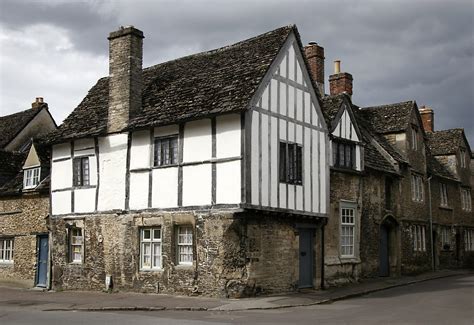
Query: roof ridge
(387,105)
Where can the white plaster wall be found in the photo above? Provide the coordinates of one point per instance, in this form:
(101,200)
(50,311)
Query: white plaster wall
(307,168)
(84,200)
(62,150)
(165,188)
(323,170)
(61,174)
(315,170)
(307,107)
(228,136)
(113,157)
(139,190)
(291,101)
(140,150)
(264,161)
(164,131)
(61,202)
(197,185)
(228,186)
(299,105)
(92,170)
(274,163)
(254,147)
(84,147)
(197,141)
(358,158)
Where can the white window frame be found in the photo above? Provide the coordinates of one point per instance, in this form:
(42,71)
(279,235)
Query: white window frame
(76,240)
(443,194)
(184,242)
(469,240)
(347,238)
(419,238)
(31,177)
(417,190)
(462,158)
(6,250)
(151,249)
(414,138)
(466,202)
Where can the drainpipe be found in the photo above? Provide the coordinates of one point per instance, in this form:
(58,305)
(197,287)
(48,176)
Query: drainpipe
(431,225)
(322,254)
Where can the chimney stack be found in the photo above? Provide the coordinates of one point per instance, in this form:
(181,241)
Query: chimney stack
(427,118)
(340,82)
(315,57)
(38,103)
(125,76)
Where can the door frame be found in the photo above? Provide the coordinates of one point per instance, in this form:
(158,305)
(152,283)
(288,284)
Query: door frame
(38,248)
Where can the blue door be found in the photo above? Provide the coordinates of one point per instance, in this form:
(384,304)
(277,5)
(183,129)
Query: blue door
(42,265)
(306,258)
(384,267)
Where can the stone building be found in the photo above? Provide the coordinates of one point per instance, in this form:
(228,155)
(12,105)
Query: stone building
(205,175)
(24,197)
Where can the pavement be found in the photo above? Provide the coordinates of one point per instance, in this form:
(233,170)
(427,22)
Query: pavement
(125,301)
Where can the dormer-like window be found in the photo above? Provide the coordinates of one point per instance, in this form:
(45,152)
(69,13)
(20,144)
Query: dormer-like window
(343,154)
(31,177)
(414,138)
(462,158)
(81,171)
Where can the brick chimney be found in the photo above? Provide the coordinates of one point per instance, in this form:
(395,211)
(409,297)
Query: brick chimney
(315,57)
(340,82)
(427,117)
(39,103)
(125,76)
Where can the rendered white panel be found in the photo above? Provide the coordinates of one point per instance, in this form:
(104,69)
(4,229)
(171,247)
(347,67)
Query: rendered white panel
(84,200)
(228,187)
(299,134)
(307,169)
(283,70)
(307,107)
(337,131)
(315,166)
(197,185)
(264,98)
(282,124)
(291,132)
(61,202)
(197,141)
(61,174)
(164,131)
(291,196)
(299,197)
(274,95)
(358,158)
(84,147)
(113,158)
(282,195)
(140,150)
(283,98)
(264,161)
(315,114)
(274,163)
(86,152)
(354,134)
(291,61)
(299,105)
(291,101)
(139,190)
(92,170)
(324,177)
(299,73)
(255,158)
(165,187)
(62,150)
(228,136)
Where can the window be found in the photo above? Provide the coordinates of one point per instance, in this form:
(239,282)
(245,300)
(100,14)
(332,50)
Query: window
(469,240)
(466,203)
(166,151)
(150,249)
(185,245)
(446,238)
(347,231)
(443,194)
(462,158)
(291,163)
(6,250)
(343,154)
(417,188)
(31,177)
(81,171)
(76,245)
(414,138)
(419,238)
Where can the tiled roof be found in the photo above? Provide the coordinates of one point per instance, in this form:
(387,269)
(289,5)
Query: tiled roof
(11,163)
(446,142)
(389,118)
(11,125)
(214,82)
(437,168)
(330,106)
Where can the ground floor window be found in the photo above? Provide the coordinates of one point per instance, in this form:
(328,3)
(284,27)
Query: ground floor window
(469,240)
(446,238)
(76,245)
(418,233)
(347,231)
(6,250)
(150,249)
(185,245)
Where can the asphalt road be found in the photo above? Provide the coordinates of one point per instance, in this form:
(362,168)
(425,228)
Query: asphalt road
(442,301)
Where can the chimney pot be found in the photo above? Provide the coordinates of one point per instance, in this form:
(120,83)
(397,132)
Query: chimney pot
(337,66)
(38,103)
(340,82)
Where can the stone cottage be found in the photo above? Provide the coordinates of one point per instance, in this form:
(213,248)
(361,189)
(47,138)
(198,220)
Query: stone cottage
(207,174)
(24,197)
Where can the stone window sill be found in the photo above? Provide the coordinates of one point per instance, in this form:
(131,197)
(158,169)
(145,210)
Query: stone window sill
(184,267)
(6,264)
(441,207)
(152,270)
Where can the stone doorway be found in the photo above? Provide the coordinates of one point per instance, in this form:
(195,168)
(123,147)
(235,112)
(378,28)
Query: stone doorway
(388,247)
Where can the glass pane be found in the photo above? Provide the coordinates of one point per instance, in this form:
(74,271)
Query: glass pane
(157,157)
(283,171)
(156,233)
(146,233)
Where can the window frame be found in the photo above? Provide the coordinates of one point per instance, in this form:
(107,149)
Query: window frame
(172,153)
(290,167)
(414,138)
(419,238)
(462,158)
(443,194)
(417,187)
(337,154)
(72,243)
(446,238)
(189,244)
(347,239)
(466,201)
(4,250)
(469,240)
(31,170)
(152,242)
(81,171)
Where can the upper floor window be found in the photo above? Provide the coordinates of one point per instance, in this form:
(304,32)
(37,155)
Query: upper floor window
(469,240)
(347,231)
(81,171)
(462,158)
(76,245)
(343,154)
(466,199)
(31,177)
(291,163)
(416,188)
(446,238)
(6,250)
(166,151)
(418,233)
(443,194)
(414,138)
(185,245)
(150,248)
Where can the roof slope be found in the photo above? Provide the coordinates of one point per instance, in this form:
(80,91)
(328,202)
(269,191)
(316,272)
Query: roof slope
(11,163)
(446,142)
(11,125)
(389,118)
(331,105)
(218,81)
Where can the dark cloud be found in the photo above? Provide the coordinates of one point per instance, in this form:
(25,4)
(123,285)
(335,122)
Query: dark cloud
(396,50)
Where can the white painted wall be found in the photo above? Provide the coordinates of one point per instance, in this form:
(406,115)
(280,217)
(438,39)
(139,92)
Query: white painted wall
(139,190)
(165,188)
(228,183)
(140,150)
(84,200)
(197,141)
(228,130)
(61,202)
(197,183)
(61,174)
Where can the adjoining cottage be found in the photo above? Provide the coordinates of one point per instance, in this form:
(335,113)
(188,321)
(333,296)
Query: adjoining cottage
(208,174)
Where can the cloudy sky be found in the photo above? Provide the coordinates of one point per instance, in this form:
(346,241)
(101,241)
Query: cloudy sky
(396,50)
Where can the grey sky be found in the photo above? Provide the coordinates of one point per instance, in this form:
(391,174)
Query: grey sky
(396,50)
